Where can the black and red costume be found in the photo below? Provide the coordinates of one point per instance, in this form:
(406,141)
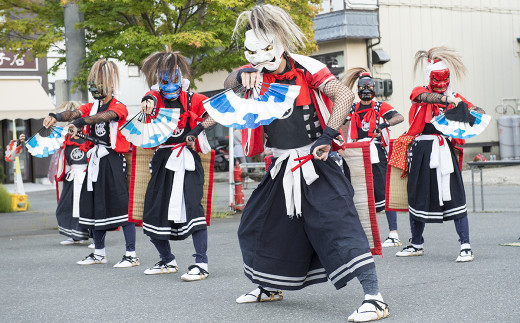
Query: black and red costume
(364,119)
(158,206)
(301,228)
(72,166)
(104,195)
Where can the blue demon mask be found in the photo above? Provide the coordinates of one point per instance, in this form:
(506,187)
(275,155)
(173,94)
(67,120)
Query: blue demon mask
(171,87)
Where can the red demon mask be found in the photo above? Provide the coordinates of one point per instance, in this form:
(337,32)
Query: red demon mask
(439,80)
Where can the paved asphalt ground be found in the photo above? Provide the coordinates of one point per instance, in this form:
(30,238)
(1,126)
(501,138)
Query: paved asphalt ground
(39,280)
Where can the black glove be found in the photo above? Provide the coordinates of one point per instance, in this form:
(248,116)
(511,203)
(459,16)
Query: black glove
(460,113)
(149,97)
(245,70)
(56,116)
(79,123)
(382,126)
(194,132)
(326,138)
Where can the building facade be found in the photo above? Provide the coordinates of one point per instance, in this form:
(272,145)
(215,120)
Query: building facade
(25,100)
(485,32)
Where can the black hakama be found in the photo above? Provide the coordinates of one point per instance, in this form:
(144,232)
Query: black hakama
(67,224)
(157,199)
(106,207)
(379,176)
(326,242)
(423,192)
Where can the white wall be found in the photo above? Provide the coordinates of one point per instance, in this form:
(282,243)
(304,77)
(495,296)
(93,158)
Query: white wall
(132,87)
(211,82)
(485,33)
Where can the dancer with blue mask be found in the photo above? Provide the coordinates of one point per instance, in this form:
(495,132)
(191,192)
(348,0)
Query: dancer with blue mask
(172,207)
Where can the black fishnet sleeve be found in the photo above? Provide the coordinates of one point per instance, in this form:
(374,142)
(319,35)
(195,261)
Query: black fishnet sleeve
(395,119)
(97,118)
(208,122)
(68,115)
(231,80)
(342,98)
(427,97)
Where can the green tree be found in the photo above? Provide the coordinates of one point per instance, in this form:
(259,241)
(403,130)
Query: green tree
(130,30)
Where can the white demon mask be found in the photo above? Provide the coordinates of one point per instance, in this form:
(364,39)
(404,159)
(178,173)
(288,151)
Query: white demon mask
(263,53)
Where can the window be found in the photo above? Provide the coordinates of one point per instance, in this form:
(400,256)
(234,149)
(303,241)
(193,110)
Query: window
(334,62)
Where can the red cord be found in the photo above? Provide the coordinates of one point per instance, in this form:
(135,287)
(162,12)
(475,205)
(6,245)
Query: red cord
(181,146)
(304,158)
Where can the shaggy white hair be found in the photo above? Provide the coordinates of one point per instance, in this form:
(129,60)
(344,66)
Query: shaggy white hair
(269,21)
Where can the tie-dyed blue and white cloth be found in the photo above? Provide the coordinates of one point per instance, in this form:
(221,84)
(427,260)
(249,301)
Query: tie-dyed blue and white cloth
(461,129)
(148,132)
(269,102)
(40,146)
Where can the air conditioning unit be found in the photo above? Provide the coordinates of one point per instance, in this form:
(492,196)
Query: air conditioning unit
(379,56)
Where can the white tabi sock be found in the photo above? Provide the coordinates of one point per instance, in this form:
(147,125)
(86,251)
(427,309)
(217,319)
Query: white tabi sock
(99,252)
(393,235)
(202,265)
(465,246)
(131,254)
(377,297)
(418,246)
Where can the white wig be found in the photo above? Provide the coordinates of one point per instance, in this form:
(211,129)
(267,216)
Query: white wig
(269,21)
(449,58)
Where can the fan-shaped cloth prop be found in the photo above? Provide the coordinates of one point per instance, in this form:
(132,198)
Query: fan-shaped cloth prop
(139,176)
(357,157)
(46,141)
(240,108)
(461,123)
(396,198)
(148,130)
(13,149)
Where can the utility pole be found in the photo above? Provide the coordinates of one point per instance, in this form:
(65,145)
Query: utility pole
(75,49)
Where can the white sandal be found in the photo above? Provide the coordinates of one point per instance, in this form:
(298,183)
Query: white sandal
(260,295)
(370,310)
(195,272)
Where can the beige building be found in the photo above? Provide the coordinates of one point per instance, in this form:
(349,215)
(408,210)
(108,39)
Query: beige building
(485,32)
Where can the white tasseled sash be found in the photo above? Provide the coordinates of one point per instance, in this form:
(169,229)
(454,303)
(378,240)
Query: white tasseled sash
(292,180)
(440,159)
(77,175)
(178,165)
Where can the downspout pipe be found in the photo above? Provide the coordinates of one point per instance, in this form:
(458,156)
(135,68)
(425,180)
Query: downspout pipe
(369,41)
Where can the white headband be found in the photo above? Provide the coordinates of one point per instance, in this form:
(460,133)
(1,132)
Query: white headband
(436,67)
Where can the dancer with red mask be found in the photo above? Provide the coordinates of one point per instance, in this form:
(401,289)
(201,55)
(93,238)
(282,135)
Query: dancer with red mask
(435,188)
(369,120)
